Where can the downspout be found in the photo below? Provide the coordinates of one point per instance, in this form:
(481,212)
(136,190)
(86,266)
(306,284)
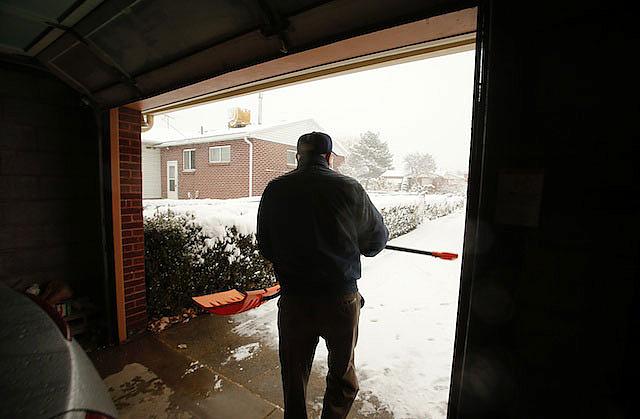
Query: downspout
(246,140)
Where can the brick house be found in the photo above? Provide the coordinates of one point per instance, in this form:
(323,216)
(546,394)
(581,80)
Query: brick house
(234,163)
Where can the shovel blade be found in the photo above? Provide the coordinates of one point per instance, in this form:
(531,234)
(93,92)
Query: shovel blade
(230,302)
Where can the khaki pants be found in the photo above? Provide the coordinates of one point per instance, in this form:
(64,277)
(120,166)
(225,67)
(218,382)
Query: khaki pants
(301,321)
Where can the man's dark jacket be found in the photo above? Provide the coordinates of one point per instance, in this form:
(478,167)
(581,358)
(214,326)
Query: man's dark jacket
(314,224)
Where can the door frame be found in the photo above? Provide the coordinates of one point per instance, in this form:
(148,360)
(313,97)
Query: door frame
(175,164)
(472,218)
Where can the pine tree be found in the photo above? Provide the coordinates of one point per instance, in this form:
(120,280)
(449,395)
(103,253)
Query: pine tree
(369,158)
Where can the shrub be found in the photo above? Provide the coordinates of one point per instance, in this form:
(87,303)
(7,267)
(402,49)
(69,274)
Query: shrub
(437,208)
(181,261)
(401,219)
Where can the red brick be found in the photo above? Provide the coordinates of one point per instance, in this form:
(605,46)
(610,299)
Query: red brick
(135,296)
(129,240)
(134,310)
(133,268)
(133,117)
(129,148)
(134,282)
(133,255)
(136,322)
(269,162)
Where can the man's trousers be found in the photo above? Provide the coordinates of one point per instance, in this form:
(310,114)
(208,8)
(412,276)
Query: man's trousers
(302,321)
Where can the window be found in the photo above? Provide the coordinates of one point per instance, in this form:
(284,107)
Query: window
(189,159)
(291,158)
(221,154)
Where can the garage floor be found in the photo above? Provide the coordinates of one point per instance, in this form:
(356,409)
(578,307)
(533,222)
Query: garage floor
(152,377)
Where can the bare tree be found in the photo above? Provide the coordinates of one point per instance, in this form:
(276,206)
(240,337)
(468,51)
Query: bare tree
(418,164)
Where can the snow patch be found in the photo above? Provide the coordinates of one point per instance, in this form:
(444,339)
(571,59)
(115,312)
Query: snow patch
(193,367)
(217,383)
(243,352)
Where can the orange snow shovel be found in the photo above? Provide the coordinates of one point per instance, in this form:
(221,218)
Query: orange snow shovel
(234,301)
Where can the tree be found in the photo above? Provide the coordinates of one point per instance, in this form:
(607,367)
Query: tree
(369,158)
(419,164)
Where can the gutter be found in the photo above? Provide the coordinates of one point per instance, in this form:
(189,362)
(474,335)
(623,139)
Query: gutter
(246,140)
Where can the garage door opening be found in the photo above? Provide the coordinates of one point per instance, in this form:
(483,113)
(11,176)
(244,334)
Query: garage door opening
(404,132)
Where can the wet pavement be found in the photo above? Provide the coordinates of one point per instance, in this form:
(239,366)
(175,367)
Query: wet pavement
(203,369)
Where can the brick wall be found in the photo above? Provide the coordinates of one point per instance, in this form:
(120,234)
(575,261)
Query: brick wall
(228,180)
(49,186)
(131,218)
(209,180)
(269,162)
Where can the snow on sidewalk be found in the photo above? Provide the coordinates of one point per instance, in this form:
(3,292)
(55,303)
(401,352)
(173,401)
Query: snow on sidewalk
(407,325)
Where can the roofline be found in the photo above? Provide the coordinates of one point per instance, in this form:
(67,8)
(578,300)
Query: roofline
(182,145)
(253,134)
(239,135)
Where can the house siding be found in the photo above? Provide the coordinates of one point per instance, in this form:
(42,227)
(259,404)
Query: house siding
(151,168)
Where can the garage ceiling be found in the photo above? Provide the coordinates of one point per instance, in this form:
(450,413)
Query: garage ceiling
(119,51)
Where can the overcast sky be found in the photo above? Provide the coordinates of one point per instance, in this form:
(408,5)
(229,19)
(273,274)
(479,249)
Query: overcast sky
(418,106)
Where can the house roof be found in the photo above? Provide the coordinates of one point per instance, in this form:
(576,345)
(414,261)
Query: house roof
(283,133)
(395,173)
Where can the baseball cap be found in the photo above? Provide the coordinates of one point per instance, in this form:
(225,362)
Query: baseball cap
(315,143)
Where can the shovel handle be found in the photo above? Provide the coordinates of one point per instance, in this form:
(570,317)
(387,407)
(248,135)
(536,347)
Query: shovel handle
(440,255)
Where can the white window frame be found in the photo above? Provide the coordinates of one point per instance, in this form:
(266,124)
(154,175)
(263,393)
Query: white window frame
(294,152)
(184,160)
(220,147)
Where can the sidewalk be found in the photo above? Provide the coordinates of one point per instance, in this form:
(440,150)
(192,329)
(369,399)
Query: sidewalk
(218,375)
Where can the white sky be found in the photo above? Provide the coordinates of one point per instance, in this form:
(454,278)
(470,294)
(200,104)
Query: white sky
(418,106)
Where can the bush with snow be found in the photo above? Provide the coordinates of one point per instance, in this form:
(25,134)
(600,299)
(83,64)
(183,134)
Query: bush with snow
(406,216)
(401,219)
(197,247)
(182,261)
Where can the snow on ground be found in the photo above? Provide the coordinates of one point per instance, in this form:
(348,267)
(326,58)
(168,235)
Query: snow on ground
(407,325)
(243,352)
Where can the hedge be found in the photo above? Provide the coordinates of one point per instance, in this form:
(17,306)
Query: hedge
(182,261)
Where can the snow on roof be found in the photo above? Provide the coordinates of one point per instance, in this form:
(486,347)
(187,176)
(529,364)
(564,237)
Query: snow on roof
(395,173)
(283,133)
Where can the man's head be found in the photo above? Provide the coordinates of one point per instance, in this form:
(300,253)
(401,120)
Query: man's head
(315,144)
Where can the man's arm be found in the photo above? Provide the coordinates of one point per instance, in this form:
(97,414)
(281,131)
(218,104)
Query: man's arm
(372,233)
(262,231)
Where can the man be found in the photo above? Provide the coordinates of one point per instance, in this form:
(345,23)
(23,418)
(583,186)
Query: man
(313,225)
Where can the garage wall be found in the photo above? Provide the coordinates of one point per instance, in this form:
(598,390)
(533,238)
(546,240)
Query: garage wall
(49,186)
(151,186)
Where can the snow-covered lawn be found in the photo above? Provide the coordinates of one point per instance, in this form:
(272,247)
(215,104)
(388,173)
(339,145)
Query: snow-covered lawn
(407,325)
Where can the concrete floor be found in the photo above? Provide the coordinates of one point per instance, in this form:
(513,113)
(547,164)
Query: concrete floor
(151,377)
